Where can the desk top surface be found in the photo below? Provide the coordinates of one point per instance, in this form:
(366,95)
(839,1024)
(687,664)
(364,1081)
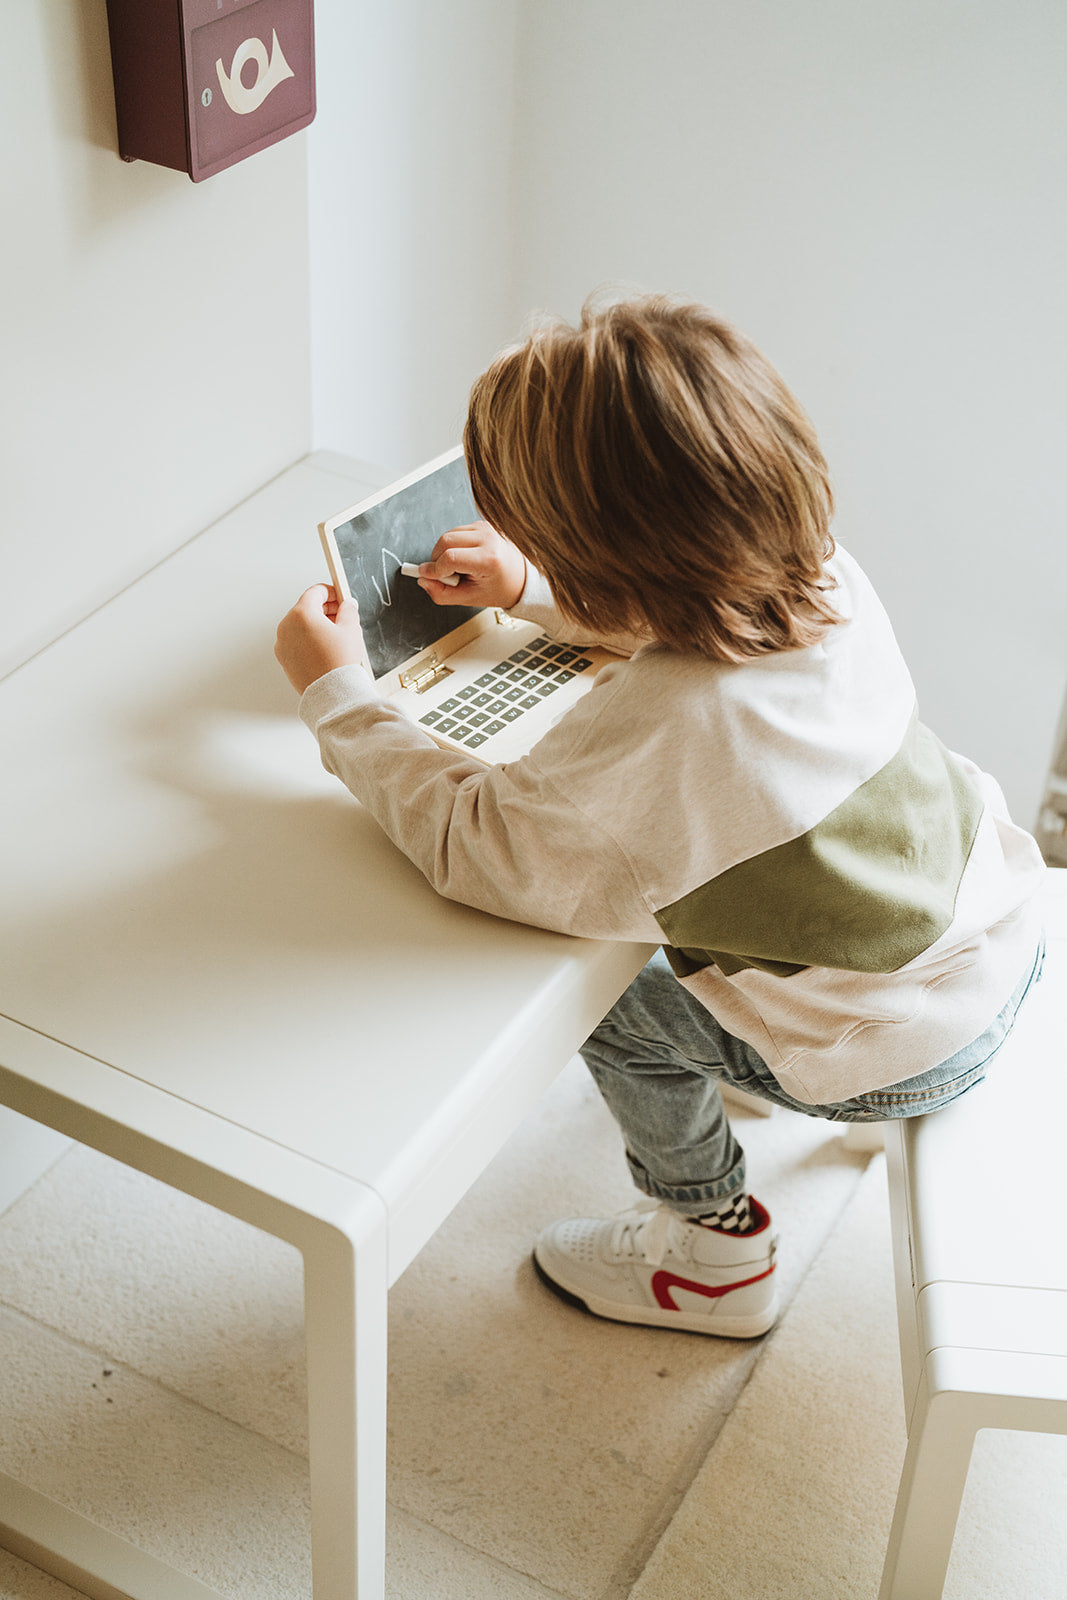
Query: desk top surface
(190,898)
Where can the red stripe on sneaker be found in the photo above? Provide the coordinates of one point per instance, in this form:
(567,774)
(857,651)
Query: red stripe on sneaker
(664,1282)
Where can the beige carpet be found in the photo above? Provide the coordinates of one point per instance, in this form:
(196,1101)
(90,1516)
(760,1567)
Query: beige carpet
(813,1449)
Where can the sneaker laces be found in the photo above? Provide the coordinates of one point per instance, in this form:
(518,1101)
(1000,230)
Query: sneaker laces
(647,1230)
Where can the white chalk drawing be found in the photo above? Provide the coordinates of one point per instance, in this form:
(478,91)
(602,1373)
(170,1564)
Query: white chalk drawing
(385,599)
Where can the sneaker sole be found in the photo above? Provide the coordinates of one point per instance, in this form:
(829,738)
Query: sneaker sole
(723,1327)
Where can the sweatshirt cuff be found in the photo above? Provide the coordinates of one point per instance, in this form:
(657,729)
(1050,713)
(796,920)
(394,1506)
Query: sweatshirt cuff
(336,693)
(535,603)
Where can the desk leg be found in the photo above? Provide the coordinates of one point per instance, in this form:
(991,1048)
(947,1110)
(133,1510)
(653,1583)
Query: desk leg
(27,1150)
(345,1298)
(928,1500)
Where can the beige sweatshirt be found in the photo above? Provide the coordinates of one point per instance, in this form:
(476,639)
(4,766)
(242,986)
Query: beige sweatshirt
(836,887)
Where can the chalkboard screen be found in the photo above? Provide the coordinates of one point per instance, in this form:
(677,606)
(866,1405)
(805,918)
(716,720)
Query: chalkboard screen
(398,618)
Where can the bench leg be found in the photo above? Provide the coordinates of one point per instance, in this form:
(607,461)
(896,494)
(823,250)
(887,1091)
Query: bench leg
(864,1138)
(928,1501)
(345,1297)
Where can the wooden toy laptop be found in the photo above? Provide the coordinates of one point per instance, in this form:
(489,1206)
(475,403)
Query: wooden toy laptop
(476,680)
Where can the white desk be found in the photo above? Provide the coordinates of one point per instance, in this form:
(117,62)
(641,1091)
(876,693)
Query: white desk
(214,968)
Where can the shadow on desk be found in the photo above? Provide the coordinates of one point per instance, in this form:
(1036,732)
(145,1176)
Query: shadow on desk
(201,855)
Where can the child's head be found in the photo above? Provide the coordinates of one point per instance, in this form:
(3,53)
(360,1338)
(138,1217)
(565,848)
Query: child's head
(657,470)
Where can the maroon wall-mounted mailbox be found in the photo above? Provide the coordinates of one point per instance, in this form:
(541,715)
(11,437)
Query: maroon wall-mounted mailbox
(200,84)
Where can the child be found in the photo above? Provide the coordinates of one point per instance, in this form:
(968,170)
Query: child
(845,907)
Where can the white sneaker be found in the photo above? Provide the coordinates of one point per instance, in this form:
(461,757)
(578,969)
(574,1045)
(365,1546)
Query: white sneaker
(651,1266)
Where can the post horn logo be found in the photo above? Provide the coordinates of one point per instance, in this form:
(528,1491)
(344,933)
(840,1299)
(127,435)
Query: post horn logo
(269,74)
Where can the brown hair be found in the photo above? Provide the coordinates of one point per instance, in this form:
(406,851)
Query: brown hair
(653,465)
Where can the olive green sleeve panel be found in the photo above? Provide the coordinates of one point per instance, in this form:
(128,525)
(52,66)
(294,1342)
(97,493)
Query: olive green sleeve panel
(866,890)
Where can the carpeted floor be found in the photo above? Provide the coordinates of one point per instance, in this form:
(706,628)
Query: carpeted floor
(152,1359)
(814,1447)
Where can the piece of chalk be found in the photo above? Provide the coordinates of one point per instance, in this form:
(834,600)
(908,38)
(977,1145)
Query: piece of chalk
(410,570)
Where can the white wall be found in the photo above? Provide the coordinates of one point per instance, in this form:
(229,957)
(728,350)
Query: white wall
(875,193)
(411,220)
(154,332)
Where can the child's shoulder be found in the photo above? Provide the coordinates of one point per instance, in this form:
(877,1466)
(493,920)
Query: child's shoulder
(660,697)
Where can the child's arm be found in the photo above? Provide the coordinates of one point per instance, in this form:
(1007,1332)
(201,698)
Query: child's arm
(505,839)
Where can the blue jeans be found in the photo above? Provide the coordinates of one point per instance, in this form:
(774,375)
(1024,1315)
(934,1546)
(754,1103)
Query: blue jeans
(657,1058)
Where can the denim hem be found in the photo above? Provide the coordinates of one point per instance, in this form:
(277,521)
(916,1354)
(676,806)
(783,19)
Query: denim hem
(682,1197)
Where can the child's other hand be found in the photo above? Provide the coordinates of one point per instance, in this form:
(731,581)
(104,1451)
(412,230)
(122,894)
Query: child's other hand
(491,571)
(318,634)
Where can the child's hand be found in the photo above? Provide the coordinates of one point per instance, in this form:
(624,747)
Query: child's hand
(318,634)
(491,571)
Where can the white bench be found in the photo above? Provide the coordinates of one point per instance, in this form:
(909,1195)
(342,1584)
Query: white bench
(981,1286)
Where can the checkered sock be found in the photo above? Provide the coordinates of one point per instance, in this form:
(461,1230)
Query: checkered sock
(733,1216)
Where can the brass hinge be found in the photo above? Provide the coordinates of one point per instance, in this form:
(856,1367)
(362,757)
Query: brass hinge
(424,674)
